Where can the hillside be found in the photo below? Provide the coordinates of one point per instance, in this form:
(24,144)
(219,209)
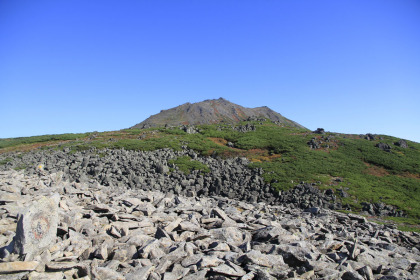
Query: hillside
(376,175)
(211,112)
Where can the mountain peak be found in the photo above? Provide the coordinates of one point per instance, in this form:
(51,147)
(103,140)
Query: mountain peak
(211,111)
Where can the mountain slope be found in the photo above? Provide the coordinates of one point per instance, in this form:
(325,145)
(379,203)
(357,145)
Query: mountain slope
(377,175)
(211,112)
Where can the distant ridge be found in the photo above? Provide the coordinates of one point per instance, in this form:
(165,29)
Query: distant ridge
(211,112)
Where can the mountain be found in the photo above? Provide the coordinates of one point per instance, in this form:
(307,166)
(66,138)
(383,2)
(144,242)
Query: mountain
(211,112)
(376,175)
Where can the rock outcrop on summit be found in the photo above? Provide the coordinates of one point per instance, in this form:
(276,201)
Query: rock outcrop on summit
(210,112)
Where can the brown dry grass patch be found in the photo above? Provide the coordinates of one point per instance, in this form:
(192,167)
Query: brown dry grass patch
(30,147)
(219,141)
(376,170)
(410,175)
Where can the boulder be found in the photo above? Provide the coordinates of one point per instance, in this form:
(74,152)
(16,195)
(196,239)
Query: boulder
(37,228)
(401,143)
(384,147)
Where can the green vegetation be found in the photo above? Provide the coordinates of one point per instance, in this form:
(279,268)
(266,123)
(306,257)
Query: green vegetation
(21,167)
(408,228)
(187,165)
(404,224)
(367,173)
(6,160)
(11,142)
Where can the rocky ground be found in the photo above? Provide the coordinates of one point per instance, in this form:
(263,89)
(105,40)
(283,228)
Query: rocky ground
(148,170)
(53,228)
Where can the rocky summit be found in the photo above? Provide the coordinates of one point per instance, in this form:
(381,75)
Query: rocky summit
(211,112)
(54,228)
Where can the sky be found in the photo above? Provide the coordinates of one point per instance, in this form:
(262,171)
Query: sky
(348,66)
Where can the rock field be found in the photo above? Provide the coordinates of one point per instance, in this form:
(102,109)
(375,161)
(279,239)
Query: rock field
(148,170)
(53,227)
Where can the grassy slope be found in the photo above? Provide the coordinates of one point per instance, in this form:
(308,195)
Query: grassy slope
(369,174)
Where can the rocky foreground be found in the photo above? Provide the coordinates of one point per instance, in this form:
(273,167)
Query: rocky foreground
(55,229)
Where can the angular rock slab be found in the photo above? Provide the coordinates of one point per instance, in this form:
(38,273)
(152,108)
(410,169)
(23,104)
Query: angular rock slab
(12,267)
(36,228)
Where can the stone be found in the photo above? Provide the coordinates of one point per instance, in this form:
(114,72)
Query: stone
(219,246)
(101,252)
(225,269)
(402,143)
(366,273)
(191,260)
(231,235)
(351,275)
(383,146)
(161,168)
(209,261)
(313,210)
(36,228)
(319,131)
(171,226)
(197,275)
(264,275)
(268,233)
(60,266)
(188,226)
(178,272)
(104,231)
(45,275)
(256,257)
(141,273)
(109,274)
(13,267)
(307,275)
(161,233)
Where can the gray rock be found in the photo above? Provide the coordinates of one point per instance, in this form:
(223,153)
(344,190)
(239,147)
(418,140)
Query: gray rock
(197,275)
(209,261)
(313,210)
(104,232)
(161,168)
(263,274)
(256,257)
(43,275)
(351,275)
(229,270)
(178,272)
(402,143)
(107,273)
(36,228)
(366,272)
(268,234)
(230,235)
(191,260)
(319,131)
(13,267)
(383,146)
(141,273)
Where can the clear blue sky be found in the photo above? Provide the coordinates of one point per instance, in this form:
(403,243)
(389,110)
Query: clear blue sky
(79,66)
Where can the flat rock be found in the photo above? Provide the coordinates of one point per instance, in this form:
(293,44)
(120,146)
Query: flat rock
(256,257)
(230,235)
(141,273)
(109,274)
(45,275)
(37,227)
(12,267)
(54,266)
(229,270)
